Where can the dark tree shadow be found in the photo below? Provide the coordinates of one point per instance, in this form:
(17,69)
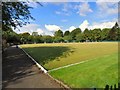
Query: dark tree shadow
(45,54)
(15,66)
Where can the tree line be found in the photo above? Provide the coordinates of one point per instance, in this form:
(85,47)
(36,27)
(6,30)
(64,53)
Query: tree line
(95,35)
(16,14)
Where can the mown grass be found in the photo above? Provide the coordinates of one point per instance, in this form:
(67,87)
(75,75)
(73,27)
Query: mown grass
(96,73)
(46,54)
(57,55)
(100,69)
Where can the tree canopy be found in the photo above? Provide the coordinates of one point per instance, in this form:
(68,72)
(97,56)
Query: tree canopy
(15,14)
(58,33)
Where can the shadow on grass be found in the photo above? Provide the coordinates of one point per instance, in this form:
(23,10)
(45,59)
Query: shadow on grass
(45,54)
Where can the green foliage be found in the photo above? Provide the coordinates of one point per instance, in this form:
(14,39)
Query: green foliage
(68,38)
(58,33)
(47,39)
(80,37)
(24,37)
(15,14)
(66,33)
(87,34)
(75,32)
(114,32)
(58,36)
(30,38)
(97,34)
(10,37)
(35,33)
(104,34)
(58,39)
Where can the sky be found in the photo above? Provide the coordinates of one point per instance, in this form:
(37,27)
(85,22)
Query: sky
(53,16)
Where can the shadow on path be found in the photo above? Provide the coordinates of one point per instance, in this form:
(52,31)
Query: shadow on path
(20,72)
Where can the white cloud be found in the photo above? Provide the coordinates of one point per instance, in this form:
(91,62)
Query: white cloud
(52,27)
(107,0)
(83,8)
(40,31)
(84,25)
(30,28)
(65,10)
(62,13)
(102,25)
(33,4)
(66,7)
(109,8)
(72,28)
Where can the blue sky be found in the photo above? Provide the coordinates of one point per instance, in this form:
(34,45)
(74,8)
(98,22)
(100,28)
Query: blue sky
(70,15)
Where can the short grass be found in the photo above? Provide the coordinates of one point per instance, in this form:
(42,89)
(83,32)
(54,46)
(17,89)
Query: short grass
(96,73)
(57,55)
(100,69)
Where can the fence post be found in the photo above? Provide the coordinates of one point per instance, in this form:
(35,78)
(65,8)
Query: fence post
(107,87)
(111,87)
(115,87)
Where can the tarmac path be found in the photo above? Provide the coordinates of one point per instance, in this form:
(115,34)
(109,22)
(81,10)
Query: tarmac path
(19,71)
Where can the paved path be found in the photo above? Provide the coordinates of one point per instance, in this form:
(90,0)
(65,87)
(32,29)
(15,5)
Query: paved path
(20,72)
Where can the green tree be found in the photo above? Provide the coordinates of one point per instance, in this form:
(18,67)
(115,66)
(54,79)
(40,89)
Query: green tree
(114,32)
(15,14)
(97,34)
(80,37)
(35,34)
(104,34)
(118,34)
(75,32)
(58,39)
(47,39)
(30,39)
(35,37)
(58,33)
(68,38)
(11,37)
(87,34)
(58,36)
(66,33)
(24,37)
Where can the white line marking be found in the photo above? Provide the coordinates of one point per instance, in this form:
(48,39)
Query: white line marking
(45,71)
(68,65)
(39,66)
(74,64)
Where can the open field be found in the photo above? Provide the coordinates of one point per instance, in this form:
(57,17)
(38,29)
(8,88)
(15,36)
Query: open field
(100,68)
(57,55)
(94,73)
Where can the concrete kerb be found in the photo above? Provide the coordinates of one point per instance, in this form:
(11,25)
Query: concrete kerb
(61,83)
(38,65)
(45,71)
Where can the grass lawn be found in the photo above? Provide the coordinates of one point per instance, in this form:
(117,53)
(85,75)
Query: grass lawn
(56,55)
(100,69)
(95,73)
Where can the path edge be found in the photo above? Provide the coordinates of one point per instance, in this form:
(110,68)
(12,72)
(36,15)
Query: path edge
(45,71)
(37,64)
